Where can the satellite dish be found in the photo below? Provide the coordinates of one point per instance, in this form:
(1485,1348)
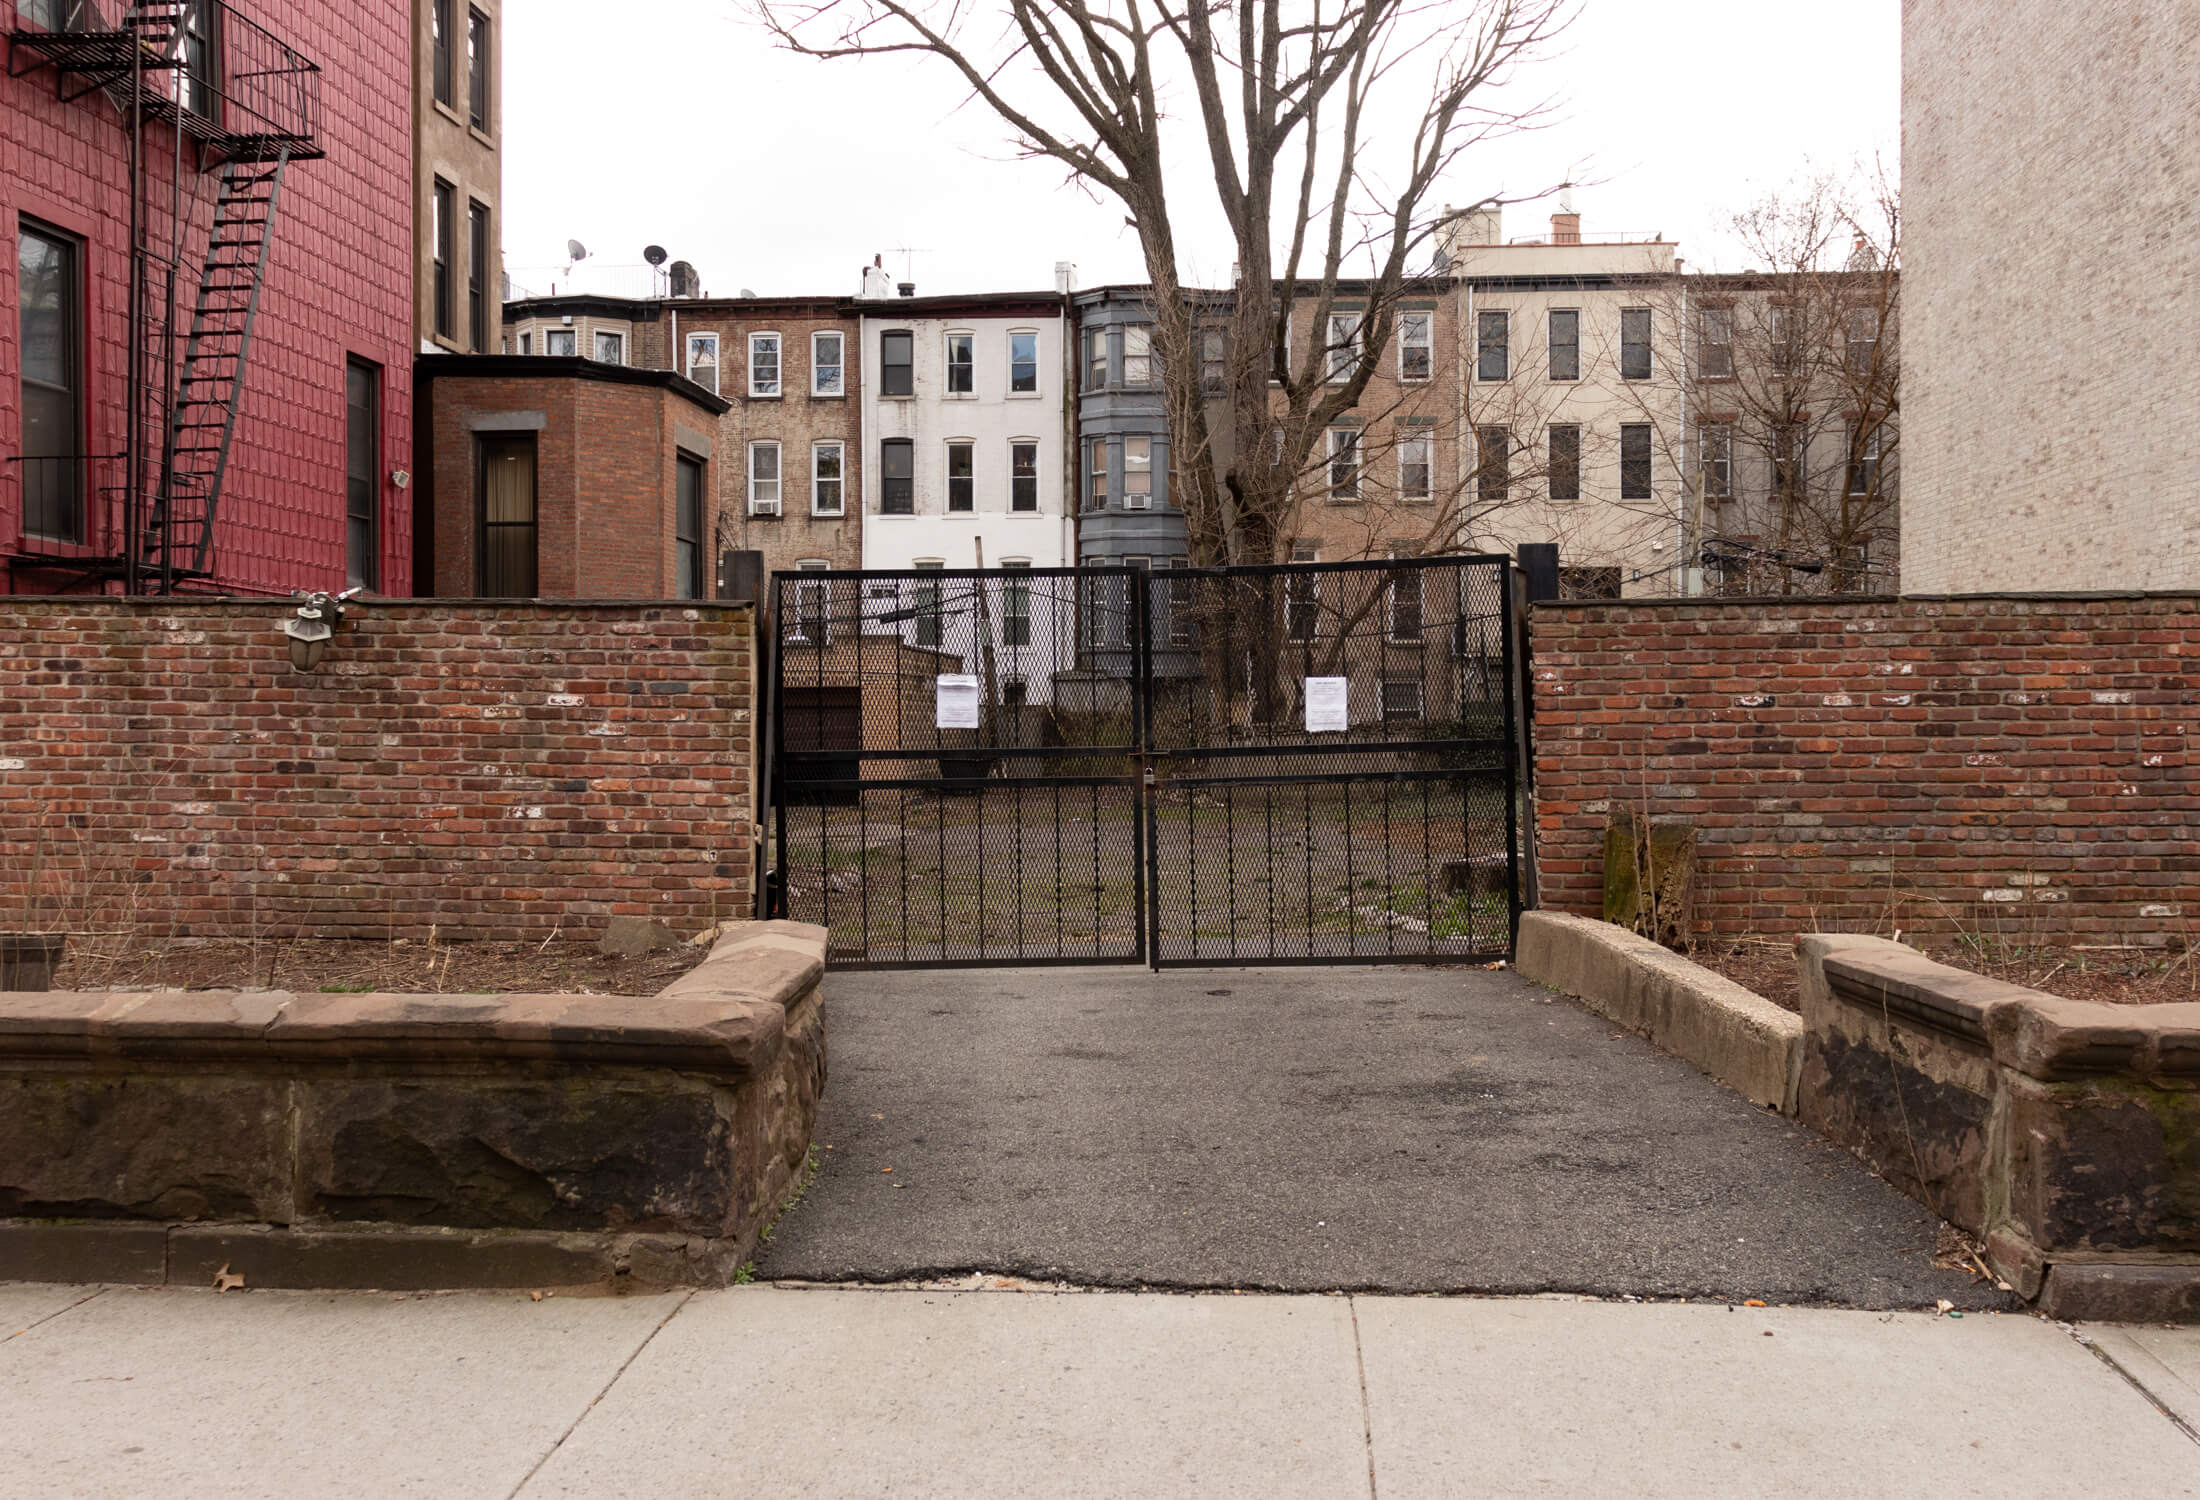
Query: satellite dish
(746,292)
(575,250)
(654,254)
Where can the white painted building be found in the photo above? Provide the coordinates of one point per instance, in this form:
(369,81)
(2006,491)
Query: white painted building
(963,416)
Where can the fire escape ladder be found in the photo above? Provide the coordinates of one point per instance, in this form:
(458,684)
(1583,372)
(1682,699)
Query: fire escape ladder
(202,417)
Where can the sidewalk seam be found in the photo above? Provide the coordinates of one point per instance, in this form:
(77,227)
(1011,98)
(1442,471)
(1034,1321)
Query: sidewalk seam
(595,1400)
(99,1291)
(1367,1421)
(2137,1384)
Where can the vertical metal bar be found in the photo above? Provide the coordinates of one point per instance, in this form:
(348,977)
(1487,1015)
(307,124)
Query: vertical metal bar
(1145,793)
(1351,886)
(1512,769)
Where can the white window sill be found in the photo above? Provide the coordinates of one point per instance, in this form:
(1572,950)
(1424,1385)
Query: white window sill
(828,395)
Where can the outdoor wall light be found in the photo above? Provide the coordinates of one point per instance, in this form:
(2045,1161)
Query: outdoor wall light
(310,629)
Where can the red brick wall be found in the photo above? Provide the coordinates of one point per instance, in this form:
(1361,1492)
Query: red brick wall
(2004,766)
(339,281)
(496,770)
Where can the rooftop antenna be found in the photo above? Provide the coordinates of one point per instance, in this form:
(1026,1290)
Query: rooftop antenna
(909,254)
(655,255)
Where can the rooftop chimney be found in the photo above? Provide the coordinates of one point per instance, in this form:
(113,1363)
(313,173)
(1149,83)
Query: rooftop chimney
(1566,229)
(1065,276)
(906,288)
(876,283)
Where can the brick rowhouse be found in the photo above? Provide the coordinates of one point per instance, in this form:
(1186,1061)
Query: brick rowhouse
(337,288)
(2014,768)
(491,770)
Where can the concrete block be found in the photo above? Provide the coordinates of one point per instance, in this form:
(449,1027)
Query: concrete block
(1741,1039)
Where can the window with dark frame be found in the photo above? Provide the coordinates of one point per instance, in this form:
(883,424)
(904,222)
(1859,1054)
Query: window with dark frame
(1023,364)
(506,565)
(362,473)
(1096,474)
(1493,463)
(1214,371)
(1634,343)
(962,477)
(1787,474)
(477,276)
(477,70)
(1096,359)
(1493,345)
(445,232)
(962,364)
(897,363)
(1015,605)
(198,59)
(1565,343)
(439,27)
(1401,698)
(931,606)
(1715,343)
(1565,462)
(1023,476)
(49,289)
(1864,455)
(1634,461)
(897,475)
(687,527)
(1344,463)
(1715,444)
(1416,346)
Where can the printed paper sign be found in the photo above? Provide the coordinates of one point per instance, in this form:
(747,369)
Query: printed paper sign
(957,706)
(1326,705)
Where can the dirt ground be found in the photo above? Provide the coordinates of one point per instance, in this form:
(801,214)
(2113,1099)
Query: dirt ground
(2116,976)
(400,966)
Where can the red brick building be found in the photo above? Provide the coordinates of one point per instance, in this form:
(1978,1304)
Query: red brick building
(148,445)
(564,478)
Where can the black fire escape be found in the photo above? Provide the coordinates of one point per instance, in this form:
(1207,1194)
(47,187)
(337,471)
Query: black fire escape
(232,102)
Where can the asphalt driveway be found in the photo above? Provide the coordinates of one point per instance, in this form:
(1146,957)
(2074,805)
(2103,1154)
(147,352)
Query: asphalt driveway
(1394,1129)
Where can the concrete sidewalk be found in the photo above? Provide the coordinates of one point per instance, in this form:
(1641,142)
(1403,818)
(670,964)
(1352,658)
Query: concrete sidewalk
(858,1391)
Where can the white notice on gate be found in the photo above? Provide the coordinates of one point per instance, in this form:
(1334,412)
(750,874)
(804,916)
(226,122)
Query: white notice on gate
(957,707)
(1325,705)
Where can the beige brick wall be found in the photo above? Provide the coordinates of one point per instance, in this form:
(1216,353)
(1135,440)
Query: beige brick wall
(2051,165)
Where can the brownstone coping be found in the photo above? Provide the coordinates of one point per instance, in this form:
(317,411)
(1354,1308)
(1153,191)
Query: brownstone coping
(2040,1035)
(720,1018)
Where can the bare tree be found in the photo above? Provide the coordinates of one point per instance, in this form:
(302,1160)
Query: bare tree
(1794,395)
(1286,107)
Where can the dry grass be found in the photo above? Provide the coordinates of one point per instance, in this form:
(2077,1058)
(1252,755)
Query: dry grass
(556,967)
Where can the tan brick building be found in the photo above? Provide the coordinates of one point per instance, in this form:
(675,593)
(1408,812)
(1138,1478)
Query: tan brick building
(566,478)
(2051,175)
(458,174)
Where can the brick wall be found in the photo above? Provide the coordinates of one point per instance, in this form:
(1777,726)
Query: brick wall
(497,770)
(2005,765)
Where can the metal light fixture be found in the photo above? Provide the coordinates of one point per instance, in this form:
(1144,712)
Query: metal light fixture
(310,629)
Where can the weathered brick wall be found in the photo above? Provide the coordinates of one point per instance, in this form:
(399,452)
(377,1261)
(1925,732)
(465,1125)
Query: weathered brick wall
(2006,766)
(493,770)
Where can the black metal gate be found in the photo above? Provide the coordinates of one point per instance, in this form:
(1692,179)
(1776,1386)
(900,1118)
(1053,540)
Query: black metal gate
(1306,763)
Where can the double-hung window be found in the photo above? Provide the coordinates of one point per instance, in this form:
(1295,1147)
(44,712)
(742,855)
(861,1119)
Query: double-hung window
(1402,600)
(812,603)
(1302,595)
(1214,369)
(477,70)
(1862,328)
(1096,474)
(1634,343)
(828,368)
(687,527)
(1565,461)
(1715,343)
(897,349)
(1138,473)
(702,360)
(49,289)
(1344,346)
(1023,476)
(610,348)
(897,476)
(1137,354)
(505,562)
(828,479)
(444,232)
(1015,603)
(763,364)
(1023,364)
(477,276)
(1634,461)
(1416,346)
(1781,328)
(962,364)
(764,479)
(1864,455)
(1715,448)
(1492,345)
(362,472)
(1414,451)
(440,40)
(931,606)
(962,477)
(1096,359)
(1565,341)
(1344,463)
(1786,447)
(1493,469)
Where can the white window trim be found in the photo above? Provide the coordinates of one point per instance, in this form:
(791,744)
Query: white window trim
(1429,345)
(1125,382)
(595,338)
(1428,465)
(840,364)
(1344,357)
(816,449)
(779,365)
(575,334)
(776,505)
(947,475)
(1548,377)
(1332,447)
(1038,367)
(1038,449)
(947,364)
(717,358)
(1143,501)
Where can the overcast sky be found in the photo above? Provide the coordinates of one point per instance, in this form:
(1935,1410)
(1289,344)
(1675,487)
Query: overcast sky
(780,175)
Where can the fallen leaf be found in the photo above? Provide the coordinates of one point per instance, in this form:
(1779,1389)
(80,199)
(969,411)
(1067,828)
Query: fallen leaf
(1944,1306)
(1754,1302)
(224,1282)
(534,1296)
(886,1169)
